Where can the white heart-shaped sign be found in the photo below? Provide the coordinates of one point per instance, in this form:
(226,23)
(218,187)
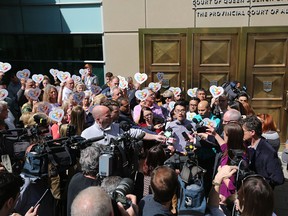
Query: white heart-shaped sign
(83,72)
(176,90)
(142,94)
(53,72)
(77,79)
(3,94)
(121,78)
(63,76)
(24,74)
(44,107)
(216,91)
(192,92)
(123,84)
(171,105)
(34,93)
(160,76)
(95,89)
(56,115)
(209,122)
(4,67)
(190,116)
(78,97)
(140,77)
(38,78)
(155,86)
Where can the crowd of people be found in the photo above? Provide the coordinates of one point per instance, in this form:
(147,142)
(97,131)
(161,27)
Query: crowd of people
(214,127)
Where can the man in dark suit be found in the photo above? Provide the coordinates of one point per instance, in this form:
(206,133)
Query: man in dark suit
(263,158)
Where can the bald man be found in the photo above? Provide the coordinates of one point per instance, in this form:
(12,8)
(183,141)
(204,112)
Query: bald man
(92,201)
(204,111)
(103,126)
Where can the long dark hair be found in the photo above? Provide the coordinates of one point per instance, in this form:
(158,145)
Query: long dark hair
(256,197)
(235,136)
(155,157)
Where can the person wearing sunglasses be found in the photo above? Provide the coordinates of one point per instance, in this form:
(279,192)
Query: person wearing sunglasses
(255,196)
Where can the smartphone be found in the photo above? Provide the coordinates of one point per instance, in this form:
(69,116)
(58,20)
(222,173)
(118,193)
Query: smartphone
(41,198)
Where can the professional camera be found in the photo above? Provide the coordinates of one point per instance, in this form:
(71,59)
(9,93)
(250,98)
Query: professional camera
(121,157)
(232,90)
(126,186)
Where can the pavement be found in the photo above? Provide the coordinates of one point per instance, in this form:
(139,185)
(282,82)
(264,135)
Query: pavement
(281,194)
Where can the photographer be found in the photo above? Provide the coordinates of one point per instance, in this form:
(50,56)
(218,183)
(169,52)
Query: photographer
(94,201)
(89,161)
(103,126)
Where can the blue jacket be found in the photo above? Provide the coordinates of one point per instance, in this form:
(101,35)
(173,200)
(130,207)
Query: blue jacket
(267,163)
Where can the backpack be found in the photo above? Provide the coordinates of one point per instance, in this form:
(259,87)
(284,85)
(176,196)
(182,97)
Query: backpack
(191,195)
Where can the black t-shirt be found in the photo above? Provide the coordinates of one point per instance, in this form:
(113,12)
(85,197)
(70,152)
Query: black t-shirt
(78,183)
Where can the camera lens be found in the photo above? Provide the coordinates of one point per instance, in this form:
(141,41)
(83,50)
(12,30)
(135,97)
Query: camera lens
(126,186)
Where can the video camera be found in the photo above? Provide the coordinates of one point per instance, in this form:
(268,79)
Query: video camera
(126,186)
(232,90)
(120,157)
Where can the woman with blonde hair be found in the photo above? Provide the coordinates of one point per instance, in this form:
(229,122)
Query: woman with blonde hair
(50,95)
(77,119)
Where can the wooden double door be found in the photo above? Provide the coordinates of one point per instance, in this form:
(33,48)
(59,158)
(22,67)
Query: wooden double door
(257,57)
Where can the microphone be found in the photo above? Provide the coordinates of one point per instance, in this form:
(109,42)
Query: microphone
(91,140)
(125,126)
(185,135)
(168,132)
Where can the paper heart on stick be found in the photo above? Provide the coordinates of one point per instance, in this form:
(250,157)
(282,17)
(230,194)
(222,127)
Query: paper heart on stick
(216,91)
(209,122)
(78,97)
(34,93)
(192,92)
(38,78)
(142,94)
(3,94)
(63,76)
(121,78)
(83,72)
(95,89)
(24,74)
(190,116)
(53,72)
(44,107)
(56,115)
(176,90)
(140,77)
(123,84)
(160,76)
(4,67)
(155,86)
(171,105)
(77,79)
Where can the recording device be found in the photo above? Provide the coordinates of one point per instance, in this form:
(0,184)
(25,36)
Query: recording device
(126,186)
(232,90)
(41,198)
(169,135)
(120,157)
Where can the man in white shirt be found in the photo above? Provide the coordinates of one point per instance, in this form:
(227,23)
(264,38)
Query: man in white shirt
(103,126)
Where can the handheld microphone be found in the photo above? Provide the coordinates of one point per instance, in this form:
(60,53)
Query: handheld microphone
(91,140)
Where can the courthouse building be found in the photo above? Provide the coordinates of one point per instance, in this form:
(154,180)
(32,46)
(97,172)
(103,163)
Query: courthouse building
(195,43)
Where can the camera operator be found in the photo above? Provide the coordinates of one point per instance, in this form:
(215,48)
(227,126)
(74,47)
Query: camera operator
(103,126)
(94,201)
(89,162)
(164,182)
